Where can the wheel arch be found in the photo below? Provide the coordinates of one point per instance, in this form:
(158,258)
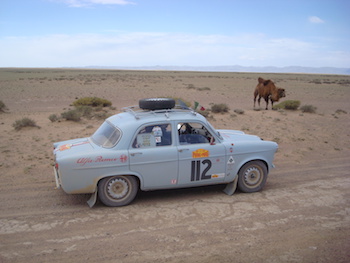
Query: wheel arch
(252,160)
(138,177)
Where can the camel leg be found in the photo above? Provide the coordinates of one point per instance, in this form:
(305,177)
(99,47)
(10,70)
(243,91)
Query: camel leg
(259,101)
(255,95)
(267,103)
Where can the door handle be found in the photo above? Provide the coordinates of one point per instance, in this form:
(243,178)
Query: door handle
(133,154)
(182,150)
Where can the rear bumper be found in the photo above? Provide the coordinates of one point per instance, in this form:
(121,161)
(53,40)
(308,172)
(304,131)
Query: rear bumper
(57,178)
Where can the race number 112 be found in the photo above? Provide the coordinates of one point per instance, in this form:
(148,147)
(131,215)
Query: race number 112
(196,166)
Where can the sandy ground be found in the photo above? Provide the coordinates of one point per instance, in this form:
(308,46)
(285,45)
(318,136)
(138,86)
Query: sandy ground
(302,215)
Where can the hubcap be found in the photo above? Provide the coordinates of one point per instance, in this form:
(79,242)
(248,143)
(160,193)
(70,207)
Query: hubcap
(252,176)
(117,188)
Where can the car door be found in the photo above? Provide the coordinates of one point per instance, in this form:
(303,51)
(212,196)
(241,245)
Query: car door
(201,156)
(154,156)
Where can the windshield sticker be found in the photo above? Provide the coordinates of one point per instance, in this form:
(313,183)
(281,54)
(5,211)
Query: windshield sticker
(200,153)
(157,132)
(145,140)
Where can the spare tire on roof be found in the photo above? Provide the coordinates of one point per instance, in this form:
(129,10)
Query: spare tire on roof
(157,103)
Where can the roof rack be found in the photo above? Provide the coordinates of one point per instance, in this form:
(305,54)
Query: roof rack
(138,112)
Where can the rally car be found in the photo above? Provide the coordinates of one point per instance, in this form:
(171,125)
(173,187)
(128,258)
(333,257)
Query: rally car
(160,145)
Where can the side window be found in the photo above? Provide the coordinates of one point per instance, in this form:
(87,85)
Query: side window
(153,136)
(193,133)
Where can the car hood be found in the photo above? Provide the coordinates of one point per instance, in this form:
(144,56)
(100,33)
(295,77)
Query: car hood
(234,135)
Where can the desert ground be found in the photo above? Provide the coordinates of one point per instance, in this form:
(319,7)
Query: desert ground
(302,214)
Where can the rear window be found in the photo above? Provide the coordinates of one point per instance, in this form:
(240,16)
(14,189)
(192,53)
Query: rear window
(106,135)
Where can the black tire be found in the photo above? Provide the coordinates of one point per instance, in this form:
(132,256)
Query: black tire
(157,103)
(252,177)
(118,190)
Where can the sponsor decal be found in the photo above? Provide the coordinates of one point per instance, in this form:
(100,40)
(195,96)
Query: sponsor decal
(100,159)
(230,163)
(70,145)
(200,153)
(231,160)
(220,175)
(65,147)
(123,158)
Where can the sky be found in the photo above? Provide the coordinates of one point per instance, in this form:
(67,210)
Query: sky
(137,33)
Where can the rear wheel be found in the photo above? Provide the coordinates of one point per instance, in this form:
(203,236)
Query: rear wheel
(252,177)
(117,190)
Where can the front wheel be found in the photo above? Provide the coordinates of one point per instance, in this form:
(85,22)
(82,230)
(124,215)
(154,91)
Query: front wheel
(117,190)
(252,177)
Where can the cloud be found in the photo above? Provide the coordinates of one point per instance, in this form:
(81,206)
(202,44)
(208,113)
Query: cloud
(154,48)
(315,20)
(86,3)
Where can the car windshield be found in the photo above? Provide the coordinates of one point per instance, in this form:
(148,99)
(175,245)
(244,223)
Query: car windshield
(106,135)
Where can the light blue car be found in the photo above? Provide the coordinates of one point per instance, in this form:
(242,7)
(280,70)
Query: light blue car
(160,145)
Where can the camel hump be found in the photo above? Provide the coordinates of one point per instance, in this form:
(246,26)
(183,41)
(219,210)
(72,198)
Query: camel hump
(261,80)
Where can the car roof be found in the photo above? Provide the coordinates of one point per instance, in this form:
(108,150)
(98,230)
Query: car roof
(135,116)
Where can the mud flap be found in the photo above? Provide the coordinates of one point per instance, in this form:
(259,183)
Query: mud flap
(231,187)
(92,201)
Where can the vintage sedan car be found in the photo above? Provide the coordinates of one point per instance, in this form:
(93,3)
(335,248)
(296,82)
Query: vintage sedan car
(160,145)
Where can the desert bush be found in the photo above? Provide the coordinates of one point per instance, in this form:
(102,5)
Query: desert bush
(71,115)
(2,106)
(308,108)
(219,108)
(53,118)
(85,111)
(101,115)
(239,111)
(203,89)
(288,105)
(92,101)
(190,86)
(339,111)
(24,122)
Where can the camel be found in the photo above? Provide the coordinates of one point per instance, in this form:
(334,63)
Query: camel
(266,89)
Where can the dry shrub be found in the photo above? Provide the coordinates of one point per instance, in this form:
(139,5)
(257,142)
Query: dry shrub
(92,101)
(24,122)
(308,108)
(239,111)
(3,107)
(71,115)
(340,111)
(287,105)
(219,108)
(53,118)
